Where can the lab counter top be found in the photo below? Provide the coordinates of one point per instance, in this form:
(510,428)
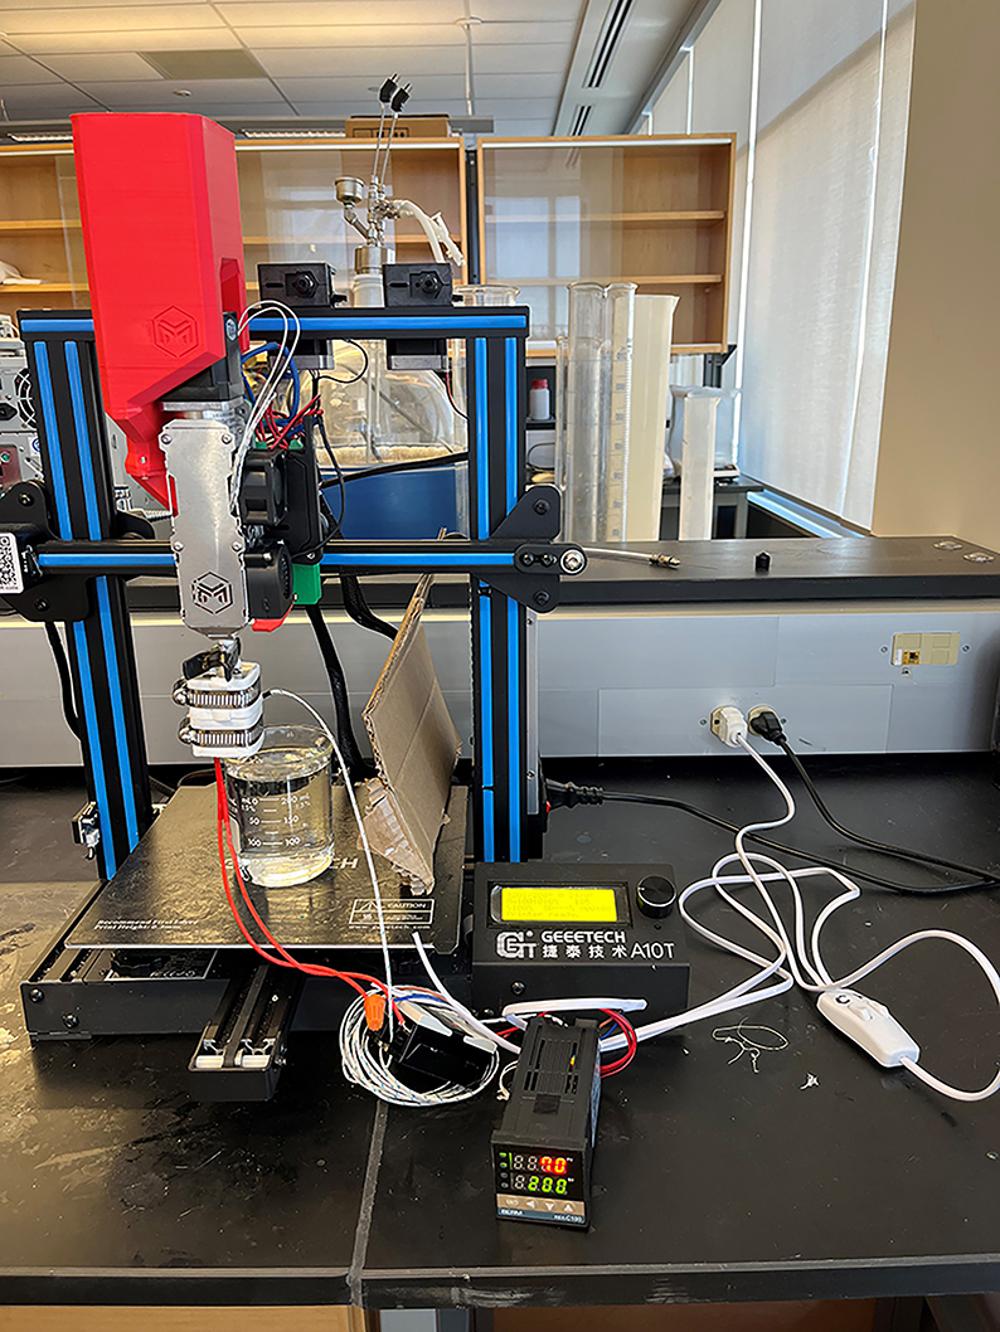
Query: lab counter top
(759,1156)
(797,569)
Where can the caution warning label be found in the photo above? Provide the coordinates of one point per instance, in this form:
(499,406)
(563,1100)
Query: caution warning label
(404,915)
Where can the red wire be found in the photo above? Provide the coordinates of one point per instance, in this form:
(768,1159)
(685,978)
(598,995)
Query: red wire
(631,1045)
(224,830)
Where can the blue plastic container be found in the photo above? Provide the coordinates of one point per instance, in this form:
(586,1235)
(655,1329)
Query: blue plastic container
(396,506)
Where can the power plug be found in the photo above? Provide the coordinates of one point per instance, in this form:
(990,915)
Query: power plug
(764,721)
(728,725)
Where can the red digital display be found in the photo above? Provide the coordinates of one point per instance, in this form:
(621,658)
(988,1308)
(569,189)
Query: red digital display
(553,1165)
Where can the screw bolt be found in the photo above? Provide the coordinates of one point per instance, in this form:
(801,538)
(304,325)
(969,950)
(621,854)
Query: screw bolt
(527,559)
(572,561)
(41,605)
(25,499)
(70,1021)
(36,995)
(517,987)
(541,598)
(541,506)
(227,438)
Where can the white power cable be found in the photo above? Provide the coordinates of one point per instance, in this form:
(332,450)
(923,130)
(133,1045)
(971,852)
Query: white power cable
(369,860)
(797,962)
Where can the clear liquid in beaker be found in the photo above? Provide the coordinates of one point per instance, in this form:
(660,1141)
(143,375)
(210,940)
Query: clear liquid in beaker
(282,806)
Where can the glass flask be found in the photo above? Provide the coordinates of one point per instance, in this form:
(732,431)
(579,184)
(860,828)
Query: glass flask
(281,799)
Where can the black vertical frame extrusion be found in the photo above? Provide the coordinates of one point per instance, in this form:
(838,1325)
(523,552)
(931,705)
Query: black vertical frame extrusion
(75,457)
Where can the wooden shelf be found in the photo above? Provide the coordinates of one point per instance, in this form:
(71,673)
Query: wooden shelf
(32,225)
(653,210)
(26,288)
(351,240)
(681,218)
(644,280)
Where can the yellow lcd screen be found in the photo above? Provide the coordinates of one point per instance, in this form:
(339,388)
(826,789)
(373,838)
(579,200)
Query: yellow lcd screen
(596,905)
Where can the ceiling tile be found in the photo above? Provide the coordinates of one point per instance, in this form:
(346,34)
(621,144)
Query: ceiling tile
(108,67)
(440,107)
(295,35)
(107,18)
(362,91)
(316,13)
(47,100)
(529,58)
(326,109)
(76,4)
(126,96)
(241,110)
(514,10)
(510,128)
(515,83)
(123,39)
(17,69)
(525,108)
(367,62)
(523,34)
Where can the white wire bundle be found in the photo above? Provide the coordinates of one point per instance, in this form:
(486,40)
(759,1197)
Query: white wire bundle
(796,962)
(365,845)
(365,1059)
(290,333)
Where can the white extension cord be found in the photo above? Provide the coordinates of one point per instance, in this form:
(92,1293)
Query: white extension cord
(796,962)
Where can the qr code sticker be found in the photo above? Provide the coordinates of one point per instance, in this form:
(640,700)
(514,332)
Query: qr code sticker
(11,577)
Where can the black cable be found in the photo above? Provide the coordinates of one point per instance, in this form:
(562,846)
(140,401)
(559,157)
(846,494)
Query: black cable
(358,608)
(414,465)
(451,397)
(65,680)
(886,848)
(568,795)
(352,379)
(768,725)
(321,427)
(357,765)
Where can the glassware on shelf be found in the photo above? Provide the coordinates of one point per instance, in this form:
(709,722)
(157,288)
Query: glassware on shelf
(493,293)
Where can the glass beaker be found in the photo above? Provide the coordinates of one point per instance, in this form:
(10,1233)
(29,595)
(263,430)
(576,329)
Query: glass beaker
(483,293)
(281,800)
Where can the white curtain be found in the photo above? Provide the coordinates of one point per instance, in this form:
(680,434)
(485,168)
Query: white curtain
(811,294)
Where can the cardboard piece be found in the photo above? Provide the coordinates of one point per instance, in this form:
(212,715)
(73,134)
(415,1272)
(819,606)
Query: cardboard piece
(415,746)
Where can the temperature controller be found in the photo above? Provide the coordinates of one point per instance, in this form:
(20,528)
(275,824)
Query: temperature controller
(545,931)
(543,1149)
